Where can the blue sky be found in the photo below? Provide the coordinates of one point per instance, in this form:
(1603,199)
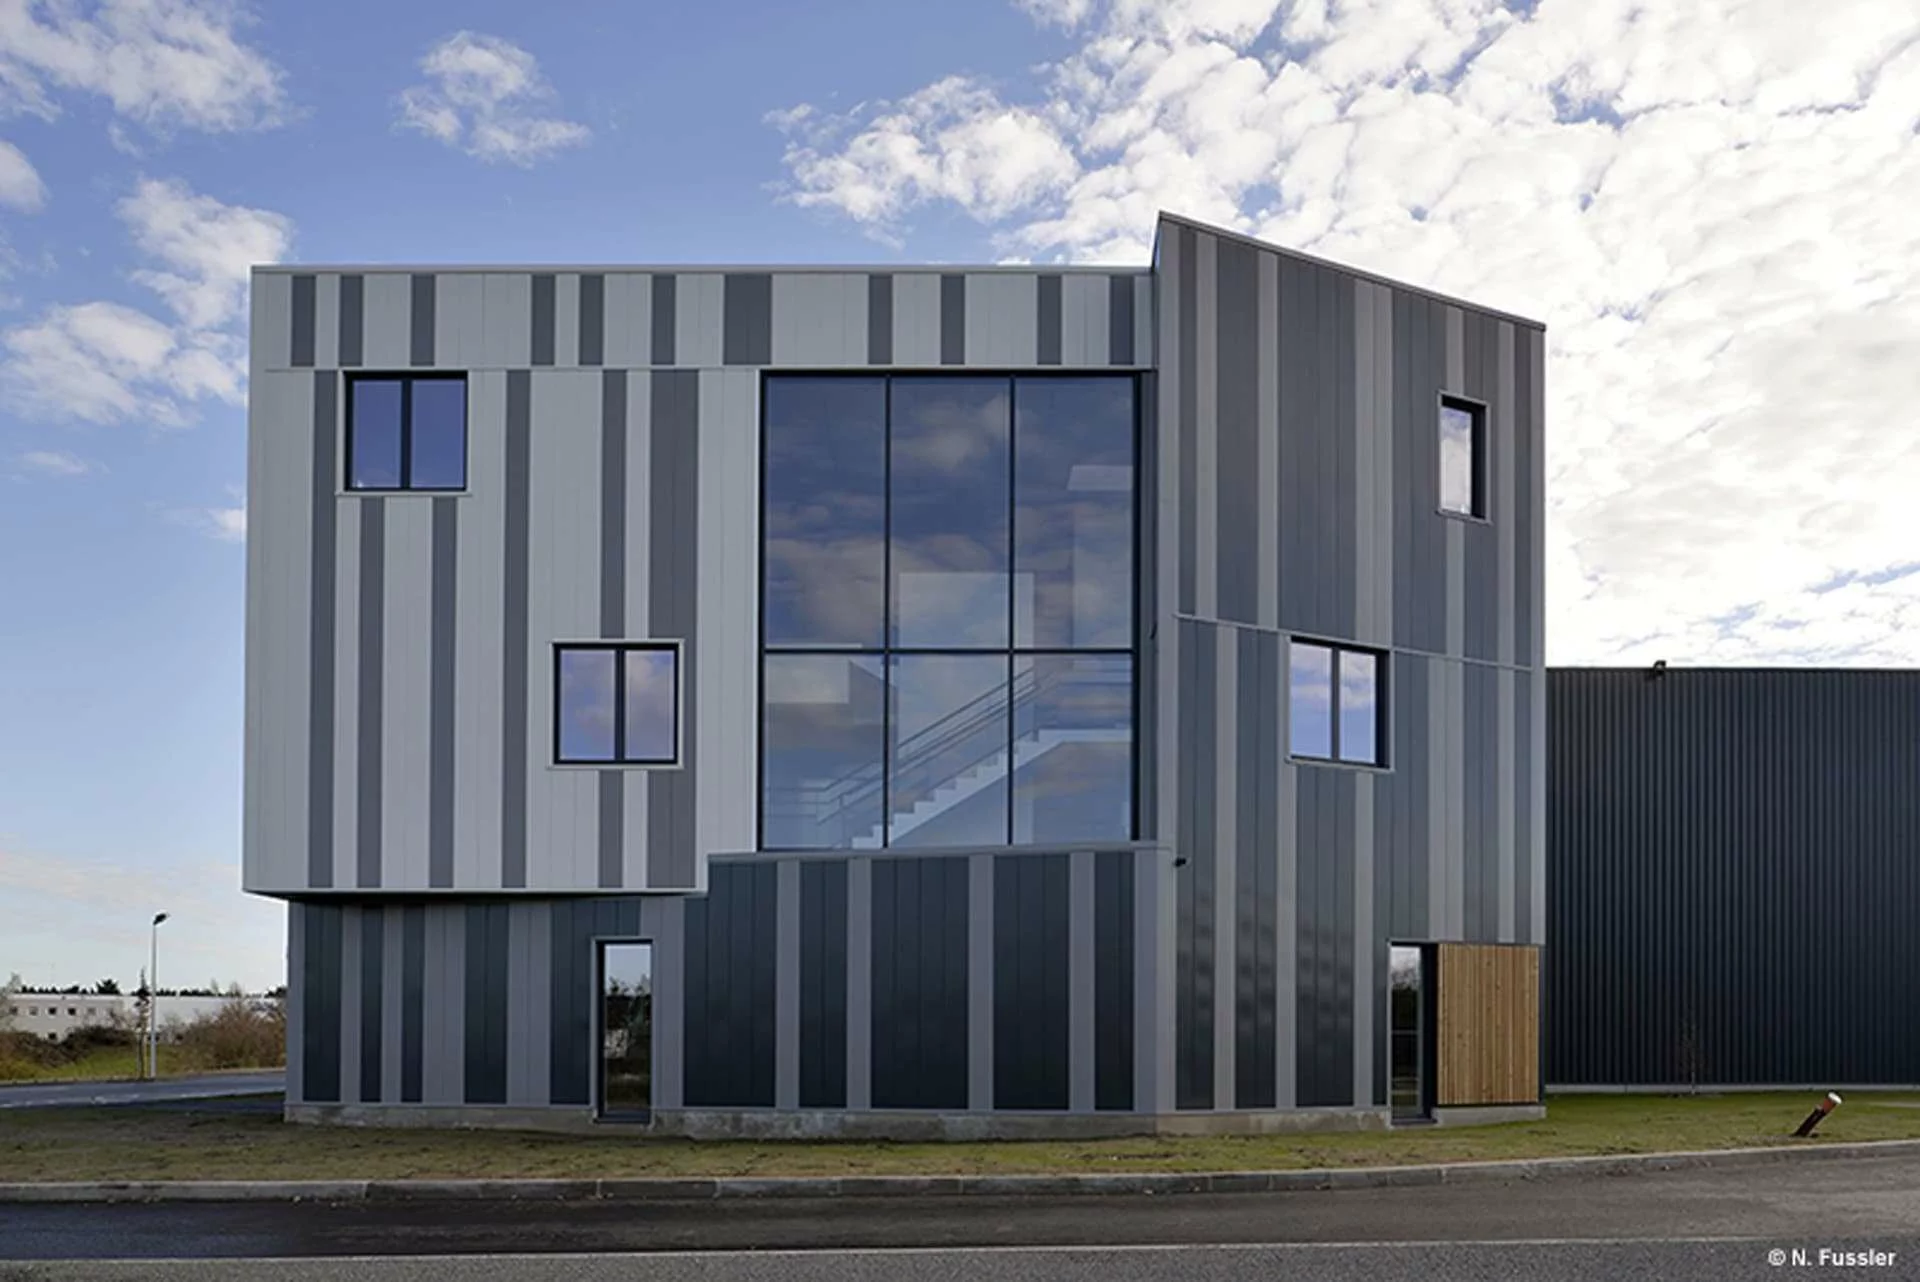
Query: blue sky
(1713,214)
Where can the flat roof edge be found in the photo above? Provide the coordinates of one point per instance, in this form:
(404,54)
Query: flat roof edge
(1347,268)
(709,269)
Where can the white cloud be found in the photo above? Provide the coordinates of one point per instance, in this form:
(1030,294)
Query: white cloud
(55,463)
(1713,213)
(210,248)
(105,362)
(954,140)
(161,62)
(483,97)
(20,185)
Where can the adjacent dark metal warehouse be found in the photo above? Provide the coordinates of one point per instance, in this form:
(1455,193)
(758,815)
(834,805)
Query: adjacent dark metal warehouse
(1733,877)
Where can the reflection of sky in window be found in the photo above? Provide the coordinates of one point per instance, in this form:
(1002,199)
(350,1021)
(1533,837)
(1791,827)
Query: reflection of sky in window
(1073,513)
(950,506)
(1310,686)
(949,716)
(823,749)
(649,728)
(825,510)
(375,461)
(1076,714)
(439,427)
(1456,459)
(586,705)
(1359,708)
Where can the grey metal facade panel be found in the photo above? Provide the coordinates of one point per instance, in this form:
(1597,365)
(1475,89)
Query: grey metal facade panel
(487,957)
(1031,1006)
(320,982)
(373,987)
(1733,884)
(920,1033)
(413,999)
(1341,381)
(731,950)
(953,319)
(1113,980)
(823,985)
(423,331)
(748,310)
(321,577)
(516,823)
(300,348)
(1198,964)
(1048,300)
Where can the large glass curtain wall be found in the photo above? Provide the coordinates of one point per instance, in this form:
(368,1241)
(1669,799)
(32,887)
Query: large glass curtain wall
(948,610)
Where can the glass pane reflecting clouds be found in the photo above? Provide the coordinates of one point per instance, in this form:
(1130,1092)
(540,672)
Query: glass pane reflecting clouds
(586,705)
(649,732)
(375,461)
(439,434)
(1310,700)
(1359,707)
(1073,512)
(1456,459)
(950,512)
(823,743)
(1073,748)
(825,511)
(947,761)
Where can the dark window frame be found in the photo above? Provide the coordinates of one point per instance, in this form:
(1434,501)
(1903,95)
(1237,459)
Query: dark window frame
(1382,683)
(406,379)
(620,761)
(601,1113)
(1011,652)
(1477,411)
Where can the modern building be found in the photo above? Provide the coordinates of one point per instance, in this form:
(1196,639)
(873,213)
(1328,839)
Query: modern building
(898,701)
(54,1017)
(1735,880)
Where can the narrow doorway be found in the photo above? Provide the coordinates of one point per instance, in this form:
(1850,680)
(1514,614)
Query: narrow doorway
(626,1030)
(1408,1034)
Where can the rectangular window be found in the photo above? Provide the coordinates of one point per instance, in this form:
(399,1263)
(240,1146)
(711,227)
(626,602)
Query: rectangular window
(948,587)
(1463,457)
(616,703)
(1335,704)
(406,432)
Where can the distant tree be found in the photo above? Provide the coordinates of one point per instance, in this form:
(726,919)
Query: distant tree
(7,992)
(107,988)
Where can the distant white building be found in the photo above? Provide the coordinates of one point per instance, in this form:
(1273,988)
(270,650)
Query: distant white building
(56,1016)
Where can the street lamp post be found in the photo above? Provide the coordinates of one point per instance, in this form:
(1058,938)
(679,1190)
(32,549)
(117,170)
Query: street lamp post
(153,997)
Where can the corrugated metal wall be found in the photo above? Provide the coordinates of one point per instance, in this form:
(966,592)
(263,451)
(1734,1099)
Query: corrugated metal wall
(1297,494)
(894,981)
(1735,881)
(399,664)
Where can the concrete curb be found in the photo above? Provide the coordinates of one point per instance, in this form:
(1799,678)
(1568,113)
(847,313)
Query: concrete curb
(890,1186)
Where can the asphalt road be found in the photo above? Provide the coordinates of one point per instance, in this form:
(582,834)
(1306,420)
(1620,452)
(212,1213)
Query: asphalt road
(1697,1224)
(57,1094)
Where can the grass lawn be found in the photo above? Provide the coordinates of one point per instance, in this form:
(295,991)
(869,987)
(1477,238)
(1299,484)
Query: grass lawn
(107,1064)
(141,1144)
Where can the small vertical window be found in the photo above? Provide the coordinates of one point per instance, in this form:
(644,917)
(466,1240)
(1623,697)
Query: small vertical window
(406,433)
(1335,708)
(616,704)
(1463,463)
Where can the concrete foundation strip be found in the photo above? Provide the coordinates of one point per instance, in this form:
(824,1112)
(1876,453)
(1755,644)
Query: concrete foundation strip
(884,1186)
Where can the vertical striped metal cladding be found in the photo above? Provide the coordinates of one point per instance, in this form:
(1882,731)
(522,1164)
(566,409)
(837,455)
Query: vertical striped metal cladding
(400,694)
(374,981)
(1733,889)
(1298,408)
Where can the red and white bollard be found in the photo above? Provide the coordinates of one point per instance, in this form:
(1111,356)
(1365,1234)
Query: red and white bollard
(1826,1106)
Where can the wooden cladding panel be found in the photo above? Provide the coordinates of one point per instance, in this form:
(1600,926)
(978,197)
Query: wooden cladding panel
(1489,1024)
